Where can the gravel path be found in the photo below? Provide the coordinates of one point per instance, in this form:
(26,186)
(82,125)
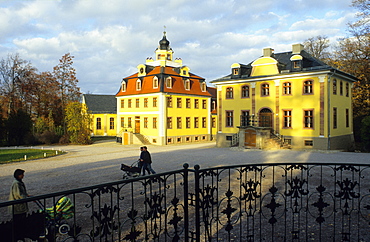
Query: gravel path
(100,163)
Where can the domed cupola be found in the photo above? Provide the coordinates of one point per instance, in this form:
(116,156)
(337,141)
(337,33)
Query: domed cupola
(164,43)
(163,53)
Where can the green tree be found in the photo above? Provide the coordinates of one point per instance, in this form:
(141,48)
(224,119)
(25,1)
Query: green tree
(78,121)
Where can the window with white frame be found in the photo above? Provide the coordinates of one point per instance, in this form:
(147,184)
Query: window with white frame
(138,85)
(169,82)
(123,86)
(203,86)
(155,82)
(187,84)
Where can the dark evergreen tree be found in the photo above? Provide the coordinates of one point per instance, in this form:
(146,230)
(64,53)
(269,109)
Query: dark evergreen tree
(18,126)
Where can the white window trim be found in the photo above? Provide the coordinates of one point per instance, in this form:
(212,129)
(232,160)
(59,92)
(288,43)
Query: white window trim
(138,85)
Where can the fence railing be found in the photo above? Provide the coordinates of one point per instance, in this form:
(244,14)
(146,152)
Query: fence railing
(261,202)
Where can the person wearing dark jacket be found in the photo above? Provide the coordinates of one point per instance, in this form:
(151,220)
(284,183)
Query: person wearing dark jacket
(19,211)
(147,161)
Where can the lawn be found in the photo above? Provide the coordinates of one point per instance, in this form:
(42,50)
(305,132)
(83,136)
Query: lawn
(13,155)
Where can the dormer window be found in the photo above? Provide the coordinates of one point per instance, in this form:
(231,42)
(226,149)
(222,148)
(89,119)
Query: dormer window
(155,82)
(296,62)
(184,72)
(235,71)
(203,86)
(169,82)
(138,85)
(123,86)
(187,84)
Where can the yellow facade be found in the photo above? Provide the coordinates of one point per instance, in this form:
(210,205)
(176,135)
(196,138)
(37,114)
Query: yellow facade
(165,119)
(309,109)
(103,112)
(104,124)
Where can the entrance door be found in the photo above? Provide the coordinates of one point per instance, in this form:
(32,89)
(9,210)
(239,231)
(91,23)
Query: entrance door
(265,118)
(250,138)
(137,125)
(125,139)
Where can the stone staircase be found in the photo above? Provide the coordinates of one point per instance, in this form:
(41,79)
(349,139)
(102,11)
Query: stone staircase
(141,138)
(275,142)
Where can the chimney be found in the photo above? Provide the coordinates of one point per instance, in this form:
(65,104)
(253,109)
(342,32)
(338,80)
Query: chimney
(297,48)
(267,52)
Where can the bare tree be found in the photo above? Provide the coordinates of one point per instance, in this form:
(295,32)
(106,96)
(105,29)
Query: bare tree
(318,47)
(14,73)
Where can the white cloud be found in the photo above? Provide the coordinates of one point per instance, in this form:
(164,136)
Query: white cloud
(110,38)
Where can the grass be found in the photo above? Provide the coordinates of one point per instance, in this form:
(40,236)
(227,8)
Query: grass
(14,155)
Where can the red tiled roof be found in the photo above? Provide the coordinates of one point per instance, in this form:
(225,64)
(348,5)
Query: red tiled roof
(177,83)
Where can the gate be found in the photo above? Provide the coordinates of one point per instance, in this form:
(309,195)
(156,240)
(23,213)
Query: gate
(250,137)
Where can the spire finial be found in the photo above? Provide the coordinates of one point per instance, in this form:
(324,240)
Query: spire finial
(164,30)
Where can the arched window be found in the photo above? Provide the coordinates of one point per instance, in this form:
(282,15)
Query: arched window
(123,86)
(138,85)
(169,82)
(265,89)
(187,84)
(203,86)
(155,82)
(245,91)
(334,87)
(229,92)
(213,105)
(308,87)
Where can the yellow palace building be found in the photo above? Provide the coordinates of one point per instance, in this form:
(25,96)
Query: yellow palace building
(103,110)
(164,103)
(291,99)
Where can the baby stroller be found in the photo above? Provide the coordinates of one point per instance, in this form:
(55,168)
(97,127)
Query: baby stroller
(56,216)
(131,171)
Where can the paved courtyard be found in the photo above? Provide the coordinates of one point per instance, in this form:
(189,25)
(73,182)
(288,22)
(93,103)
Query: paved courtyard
(100,163)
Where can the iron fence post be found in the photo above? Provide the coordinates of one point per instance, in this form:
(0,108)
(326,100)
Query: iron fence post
(186,201)
(197,202)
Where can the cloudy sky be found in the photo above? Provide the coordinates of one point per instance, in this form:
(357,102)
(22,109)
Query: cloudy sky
(109,38)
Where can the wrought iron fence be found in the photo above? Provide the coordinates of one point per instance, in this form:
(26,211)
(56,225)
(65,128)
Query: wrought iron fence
(262,202)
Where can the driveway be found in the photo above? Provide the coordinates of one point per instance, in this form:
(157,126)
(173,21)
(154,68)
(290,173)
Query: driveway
(100,163)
